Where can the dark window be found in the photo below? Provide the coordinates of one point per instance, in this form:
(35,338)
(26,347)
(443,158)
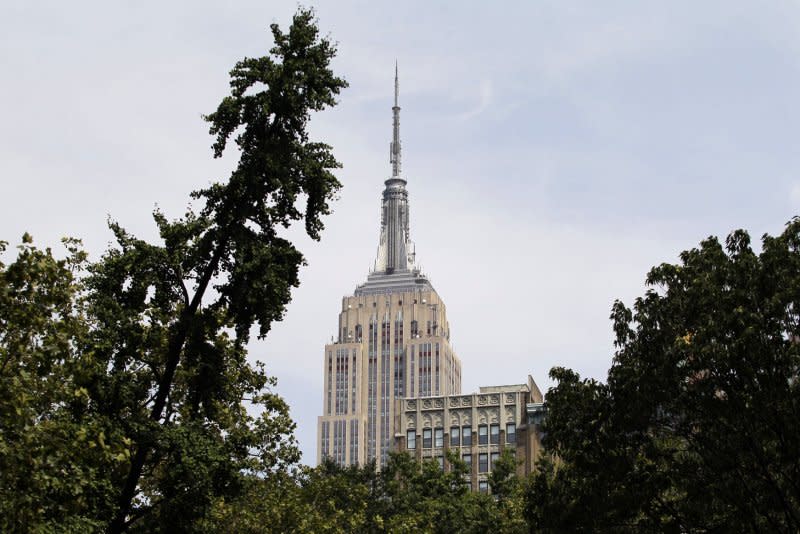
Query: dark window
(483,486)
(483,462)
(466,436)
(483,435)
(426,438)
(411,439)
(494,432)
(438,437)
(511,433)
(468,460)
(495,457)
(455,436)
(414,329)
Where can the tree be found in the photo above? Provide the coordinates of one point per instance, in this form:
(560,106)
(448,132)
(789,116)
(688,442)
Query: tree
(185,361)
(149,343)
(51,453)
(406,496)
(508,490)
(423,497)
(696,428)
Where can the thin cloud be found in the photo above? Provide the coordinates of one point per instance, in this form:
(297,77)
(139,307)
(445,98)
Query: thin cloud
(485,98)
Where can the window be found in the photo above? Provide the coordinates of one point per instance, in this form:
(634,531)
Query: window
(326,439)
(438,437)
(330,379)
(414,328)
(436,382)
(483,486)
(353,393)
(426,438)
(411,439)
(440,459)
(494,432)
(354,441)
(455,436)
(511,433)
(466,436)
(483,436)
(468,460)
(495,457)
(483,462)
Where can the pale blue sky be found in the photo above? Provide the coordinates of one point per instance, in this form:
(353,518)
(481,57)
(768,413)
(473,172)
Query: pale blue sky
(554,151)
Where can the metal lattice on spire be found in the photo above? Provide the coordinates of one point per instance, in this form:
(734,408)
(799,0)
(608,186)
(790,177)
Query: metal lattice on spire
(394,146)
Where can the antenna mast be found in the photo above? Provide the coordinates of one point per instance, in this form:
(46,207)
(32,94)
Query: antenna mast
(394,146)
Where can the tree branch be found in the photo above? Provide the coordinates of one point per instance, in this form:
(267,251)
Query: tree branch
(119,523)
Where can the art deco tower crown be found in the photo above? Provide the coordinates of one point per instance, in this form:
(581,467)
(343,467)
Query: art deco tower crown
(395,268)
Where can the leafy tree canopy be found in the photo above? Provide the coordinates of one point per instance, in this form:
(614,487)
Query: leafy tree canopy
(407,496)
(696,428)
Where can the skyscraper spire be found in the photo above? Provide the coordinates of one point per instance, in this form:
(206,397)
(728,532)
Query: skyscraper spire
(395,265)
(394,146)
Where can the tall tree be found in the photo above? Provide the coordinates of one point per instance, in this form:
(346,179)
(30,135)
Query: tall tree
(177,347)
(696,428)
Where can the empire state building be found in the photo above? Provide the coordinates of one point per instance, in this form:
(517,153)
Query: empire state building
(392,341)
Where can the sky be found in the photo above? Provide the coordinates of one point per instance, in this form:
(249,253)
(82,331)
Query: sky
(554,151)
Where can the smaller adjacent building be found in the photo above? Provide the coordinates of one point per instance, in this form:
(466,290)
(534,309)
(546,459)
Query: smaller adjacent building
(479,426)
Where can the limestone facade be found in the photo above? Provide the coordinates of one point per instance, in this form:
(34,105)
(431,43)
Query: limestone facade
(478,426)
(390,345)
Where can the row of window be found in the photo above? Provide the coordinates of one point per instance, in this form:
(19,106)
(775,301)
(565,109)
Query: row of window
(461,436)
(387,303)
(483,485)
(415,331)
(483,461)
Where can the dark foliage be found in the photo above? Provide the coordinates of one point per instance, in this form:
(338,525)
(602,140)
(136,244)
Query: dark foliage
(696,429)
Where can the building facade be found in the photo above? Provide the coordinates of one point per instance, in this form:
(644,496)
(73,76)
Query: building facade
(392,341)
(478,426)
